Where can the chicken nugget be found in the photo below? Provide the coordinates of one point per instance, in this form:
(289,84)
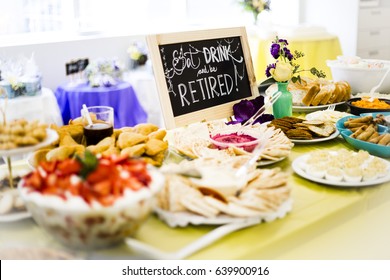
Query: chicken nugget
(158,134)
(67,140)
(112,150)
(145,128)
(134,151)
(154,146)
(128,139)
(60,153)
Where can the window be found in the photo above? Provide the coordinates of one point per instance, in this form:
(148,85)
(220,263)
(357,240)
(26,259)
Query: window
(127,17)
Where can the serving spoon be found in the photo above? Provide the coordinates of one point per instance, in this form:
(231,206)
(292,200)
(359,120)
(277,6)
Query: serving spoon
(372,91)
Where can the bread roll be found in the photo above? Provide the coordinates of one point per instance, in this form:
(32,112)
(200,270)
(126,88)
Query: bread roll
(311,94)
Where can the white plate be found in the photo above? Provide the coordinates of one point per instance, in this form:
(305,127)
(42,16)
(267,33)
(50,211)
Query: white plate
(13,217)
(183,219)
(265,162)
(316,140)
(51,137)
(297,163)
(307,109)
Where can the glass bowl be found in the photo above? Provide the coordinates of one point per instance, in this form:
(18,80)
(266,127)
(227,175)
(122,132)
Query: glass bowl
(78,224)
(245,138)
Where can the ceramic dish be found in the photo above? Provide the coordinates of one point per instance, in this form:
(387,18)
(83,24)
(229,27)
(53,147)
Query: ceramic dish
(308,109)
(359,110)
(373,114)
(51,137)
(182,219)
(340,125)
(316,140)
(297,167)
(374,149)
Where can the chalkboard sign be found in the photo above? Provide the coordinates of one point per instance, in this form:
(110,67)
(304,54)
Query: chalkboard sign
(82,64)
(201,74)
(76,66)
(71,68)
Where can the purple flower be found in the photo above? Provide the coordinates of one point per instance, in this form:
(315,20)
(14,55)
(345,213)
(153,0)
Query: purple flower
(269,67)
(287,53)
(283,41)
(275,49)
(245,109)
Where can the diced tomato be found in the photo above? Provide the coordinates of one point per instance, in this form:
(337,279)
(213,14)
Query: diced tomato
(102,172)
(105,184)
(68,167)
(75,189)
(49,166)
(118,159)
(133,183)
(34,180)
(102,188)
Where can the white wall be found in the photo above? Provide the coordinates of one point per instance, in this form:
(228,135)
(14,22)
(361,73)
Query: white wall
(51,57)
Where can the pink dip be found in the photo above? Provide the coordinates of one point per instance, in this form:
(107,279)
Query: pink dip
(234,138)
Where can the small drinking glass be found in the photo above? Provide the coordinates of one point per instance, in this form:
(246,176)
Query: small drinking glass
(102,126)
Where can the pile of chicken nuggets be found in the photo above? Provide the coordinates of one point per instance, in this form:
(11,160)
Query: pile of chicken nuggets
(144,141)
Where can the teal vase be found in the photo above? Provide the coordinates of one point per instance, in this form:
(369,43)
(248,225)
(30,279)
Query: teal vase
(283,106)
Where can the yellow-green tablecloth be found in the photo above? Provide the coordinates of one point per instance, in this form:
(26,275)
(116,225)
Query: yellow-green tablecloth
(316,50)
(325,223)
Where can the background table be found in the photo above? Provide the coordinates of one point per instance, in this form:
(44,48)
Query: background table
(127,109)
(43,108)
(316,50)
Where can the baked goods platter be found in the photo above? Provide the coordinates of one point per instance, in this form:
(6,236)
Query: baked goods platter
(309,109)
(311,95)
(303,131)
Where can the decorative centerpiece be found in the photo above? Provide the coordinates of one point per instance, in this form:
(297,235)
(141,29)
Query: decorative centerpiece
(20,77)
(255,7)
(282,71)
(103,72)
(137,54)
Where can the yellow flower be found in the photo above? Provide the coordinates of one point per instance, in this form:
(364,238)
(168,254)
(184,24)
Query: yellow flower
(282,72)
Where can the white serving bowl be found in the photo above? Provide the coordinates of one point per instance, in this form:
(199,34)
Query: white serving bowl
(361,76)
(79,225)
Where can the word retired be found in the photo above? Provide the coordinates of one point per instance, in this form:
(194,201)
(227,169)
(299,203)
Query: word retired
(205,88)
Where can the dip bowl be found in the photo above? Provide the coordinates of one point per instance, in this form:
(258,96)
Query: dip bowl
(247,138)
(70,213)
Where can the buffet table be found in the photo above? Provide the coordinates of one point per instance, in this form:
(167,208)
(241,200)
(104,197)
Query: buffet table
(127,109)
(316,50)
(325,223)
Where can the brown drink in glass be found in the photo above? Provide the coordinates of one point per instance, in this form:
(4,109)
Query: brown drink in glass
(96,132)
(102,124)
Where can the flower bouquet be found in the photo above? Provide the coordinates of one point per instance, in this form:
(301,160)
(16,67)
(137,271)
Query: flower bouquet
(103,72)
(19,77)
(285,69)
(255,6)
(137,54)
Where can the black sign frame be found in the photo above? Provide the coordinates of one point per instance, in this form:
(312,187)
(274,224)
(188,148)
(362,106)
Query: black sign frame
(200,75)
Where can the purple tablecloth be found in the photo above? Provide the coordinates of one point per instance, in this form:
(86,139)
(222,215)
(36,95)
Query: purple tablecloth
(127,109)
